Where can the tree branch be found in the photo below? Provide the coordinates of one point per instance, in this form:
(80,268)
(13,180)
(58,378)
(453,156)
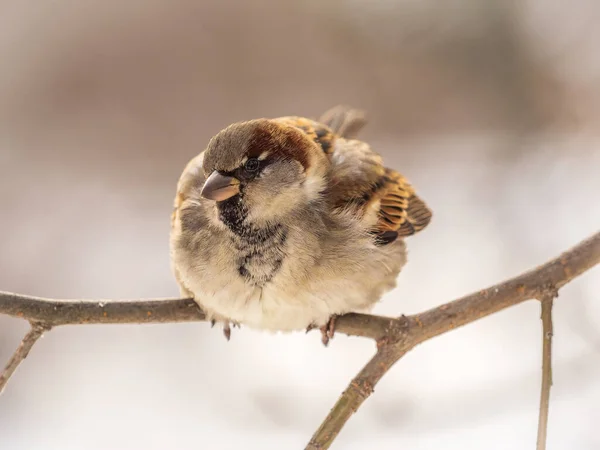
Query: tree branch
(36,332)
(401,335)
(547,333)
(359,389)
(394,336)
(557,272)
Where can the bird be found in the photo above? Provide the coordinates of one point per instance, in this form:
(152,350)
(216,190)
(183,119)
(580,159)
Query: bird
(284,224)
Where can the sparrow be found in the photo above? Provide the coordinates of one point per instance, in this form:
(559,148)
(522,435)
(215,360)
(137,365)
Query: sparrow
(284,224)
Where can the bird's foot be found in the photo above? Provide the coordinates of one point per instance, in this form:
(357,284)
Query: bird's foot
(328,330)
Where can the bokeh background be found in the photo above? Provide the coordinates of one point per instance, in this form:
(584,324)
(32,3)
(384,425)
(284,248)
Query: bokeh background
(491,108)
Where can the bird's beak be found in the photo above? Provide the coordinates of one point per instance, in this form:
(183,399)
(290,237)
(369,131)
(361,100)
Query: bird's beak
(220,187)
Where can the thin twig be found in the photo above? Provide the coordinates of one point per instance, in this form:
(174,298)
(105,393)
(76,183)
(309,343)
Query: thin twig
(36,332)
(394,336)
(547,333)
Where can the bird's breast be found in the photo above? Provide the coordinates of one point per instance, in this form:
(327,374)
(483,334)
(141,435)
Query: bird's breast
(259,259)
(284,278)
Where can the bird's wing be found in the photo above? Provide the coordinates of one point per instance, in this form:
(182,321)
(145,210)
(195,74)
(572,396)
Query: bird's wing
(360,180)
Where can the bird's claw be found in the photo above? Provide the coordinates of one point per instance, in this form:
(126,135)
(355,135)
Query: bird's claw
(227,328)
(227,331)
(328,330)
(227,325)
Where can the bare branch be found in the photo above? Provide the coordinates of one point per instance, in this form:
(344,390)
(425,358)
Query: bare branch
(72,312)
(547,333)
(403,334)
(394,336)
(438,320)
(36,332)
(360,388)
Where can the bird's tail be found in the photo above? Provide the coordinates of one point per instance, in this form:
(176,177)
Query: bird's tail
(344,121)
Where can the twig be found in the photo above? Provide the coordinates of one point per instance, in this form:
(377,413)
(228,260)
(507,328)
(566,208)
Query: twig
(36,332)
(394,336)
(547,333)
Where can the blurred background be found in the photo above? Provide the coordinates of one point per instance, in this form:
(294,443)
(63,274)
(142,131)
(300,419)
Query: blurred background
(490,107)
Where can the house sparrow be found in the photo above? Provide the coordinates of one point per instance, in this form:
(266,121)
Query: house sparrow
(283,224)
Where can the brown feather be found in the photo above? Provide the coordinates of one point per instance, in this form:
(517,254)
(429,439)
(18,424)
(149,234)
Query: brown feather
(359,180)
(400,209)
(316,131)
(418,217)
(271,136)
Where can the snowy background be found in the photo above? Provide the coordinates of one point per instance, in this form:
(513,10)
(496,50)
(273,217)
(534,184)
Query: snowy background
(489,108)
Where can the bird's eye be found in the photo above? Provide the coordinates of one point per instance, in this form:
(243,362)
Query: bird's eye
(252,165)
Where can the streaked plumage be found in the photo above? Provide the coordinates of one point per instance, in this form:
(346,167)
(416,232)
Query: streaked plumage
(282,223)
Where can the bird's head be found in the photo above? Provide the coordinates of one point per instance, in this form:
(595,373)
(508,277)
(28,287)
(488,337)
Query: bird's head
(262,169)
